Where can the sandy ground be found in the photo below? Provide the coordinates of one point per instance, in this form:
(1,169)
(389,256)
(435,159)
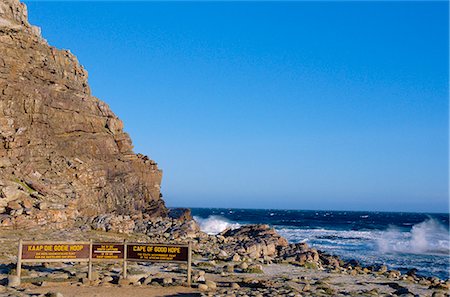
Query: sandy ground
(72,291)
(342,284)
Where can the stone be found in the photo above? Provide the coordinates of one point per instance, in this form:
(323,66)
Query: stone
(181,214)
(54,294)
(222,254)
(382,269)
(306,287)
(43,206)
(243,265)
(167,281)
(211,285)
(85,281)
(147,281)
(13,281)
(235,286)
(14,205)
(236,258)
(257,240)
(124,282)
(394,274)
(27,203)
(229,268)
(107,279)
(135,278)
(12,192)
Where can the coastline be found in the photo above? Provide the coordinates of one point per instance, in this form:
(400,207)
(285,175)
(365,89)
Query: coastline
(400,241)
(252,260)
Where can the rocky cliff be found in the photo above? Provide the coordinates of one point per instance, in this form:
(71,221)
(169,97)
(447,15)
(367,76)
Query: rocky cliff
(63,152)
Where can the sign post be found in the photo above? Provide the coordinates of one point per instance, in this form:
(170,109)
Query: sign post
(125,260)
(19,260)
(189,262)
(90,261)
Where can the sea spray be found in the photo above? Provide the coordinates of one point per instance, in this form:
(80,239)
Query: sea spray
(427,237)
(215,224)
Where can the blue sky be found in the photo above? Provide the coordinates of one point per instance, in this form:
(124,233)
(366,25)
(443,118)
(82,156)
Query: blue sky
(302,105)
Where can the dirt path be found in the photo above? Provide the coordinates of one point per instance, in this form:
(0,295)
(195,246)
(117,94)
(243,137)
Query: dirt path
(73,291)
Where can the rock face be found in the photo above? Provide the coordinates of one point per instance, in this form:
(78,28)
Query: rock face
(63,152)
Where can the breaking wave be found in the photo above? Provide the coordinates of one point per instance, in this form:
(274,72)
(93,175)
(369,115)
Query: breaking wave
(215,224)
(428,237)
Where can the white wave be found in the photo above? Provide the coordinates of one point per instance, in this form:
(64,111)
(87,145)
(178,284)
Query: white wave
(215,224)
(302,235)
(428,237)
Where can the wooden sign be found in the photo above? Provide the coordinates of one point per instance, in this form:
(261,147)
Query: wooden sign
(54,251)
(157,252)
(107,251)
(30,251)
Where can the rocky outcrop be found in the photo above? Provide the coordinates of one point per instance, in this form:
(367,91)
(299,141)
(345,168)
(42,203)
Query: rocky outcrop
(181,214)
(255,240)
(63,152)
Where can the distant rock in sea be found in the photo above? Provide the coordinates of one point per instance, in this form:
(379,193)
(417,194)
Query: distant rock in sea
(63,152)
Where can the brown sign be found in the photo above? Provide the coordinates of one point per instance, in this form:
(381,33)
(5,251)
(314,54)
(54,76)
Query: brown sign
(107,251)
(157,252)
(55,251)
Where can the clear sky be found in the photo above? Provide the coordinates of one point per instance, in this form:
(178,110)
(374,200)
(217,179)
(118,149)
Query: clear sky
(305,105)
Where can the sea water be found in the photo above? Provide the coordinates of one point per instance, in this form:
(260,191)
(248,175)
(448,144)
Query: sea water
(398,240)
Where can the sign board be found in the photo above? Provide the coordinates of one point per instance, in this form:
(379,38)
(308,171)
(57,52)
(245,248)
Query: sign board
(43,252)
(107,251)
(157,252)
(30,251)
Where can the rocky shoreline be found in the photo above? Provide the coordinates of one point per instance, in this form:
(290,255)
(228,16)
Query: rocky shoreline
(252,260)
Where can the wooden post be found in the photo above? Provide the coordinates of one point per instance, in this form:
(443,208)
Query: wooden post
(189,264)
(19,260)
(124,260)
(90,261)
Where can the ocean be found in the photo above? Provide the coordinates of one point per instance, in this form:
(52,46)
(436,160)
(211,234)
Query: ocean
(398,240)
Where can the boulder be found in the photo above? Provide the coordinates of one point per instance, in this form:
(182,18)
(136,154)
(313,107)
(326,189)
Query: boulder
(11,193)
(243,265)
(13,281)
(236,258)
(254,240)
(211,285)
(235,286)
(135,278)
